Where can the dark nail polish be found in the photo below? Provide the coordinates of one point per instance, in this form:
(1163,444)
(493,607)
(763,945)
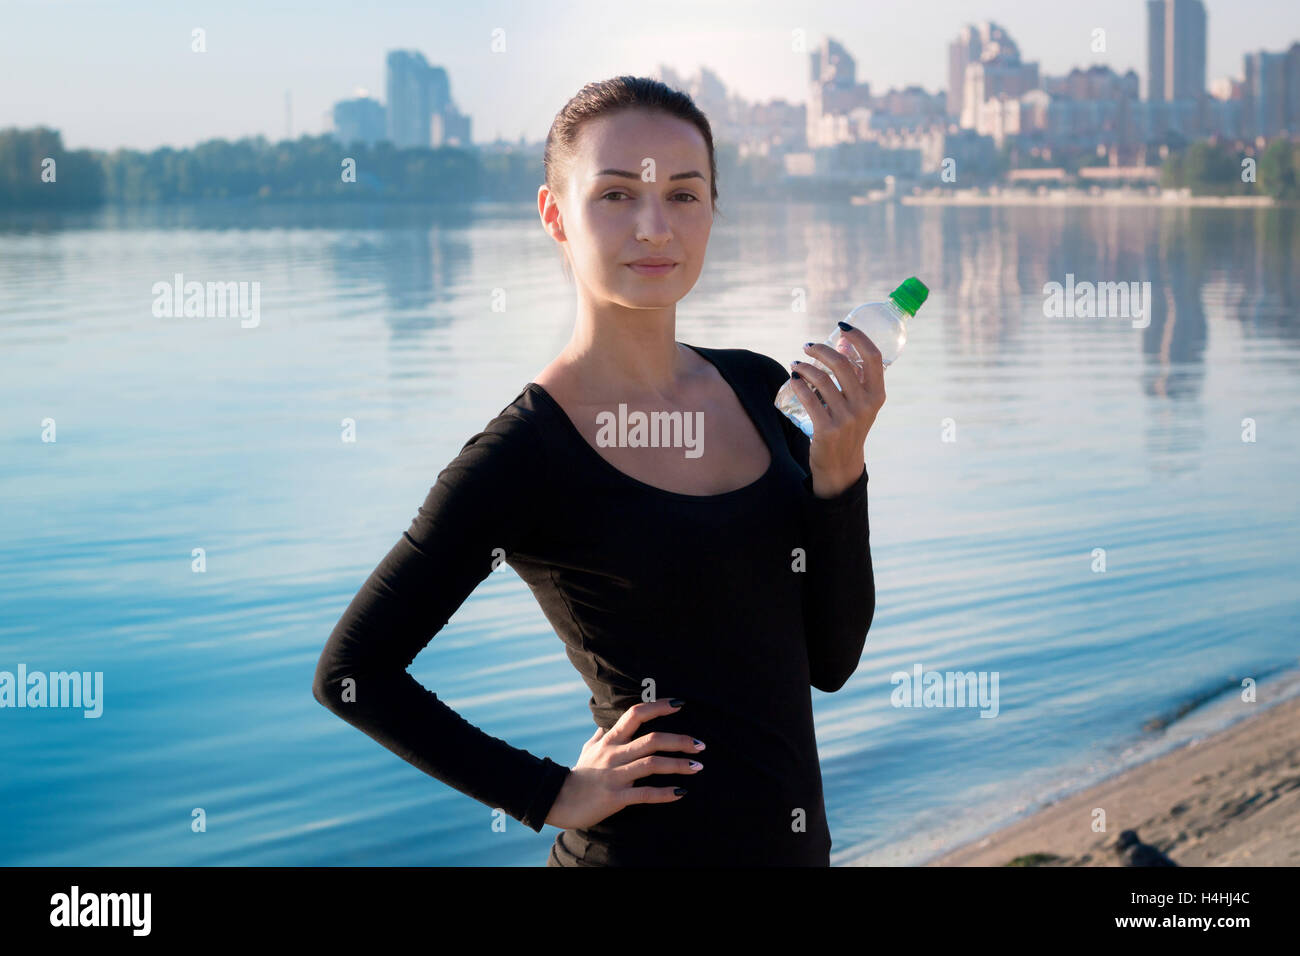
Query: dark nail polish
(679,790)
(796,375)
(676,701)
(807,345)
(846,327)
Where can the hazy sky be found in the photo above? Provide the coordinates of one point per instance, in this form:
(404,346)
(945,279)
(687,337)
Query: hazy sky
(111,74)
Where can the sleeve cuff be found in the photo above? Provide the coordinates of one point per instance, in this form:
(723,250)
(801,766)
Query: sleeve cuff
(844,502)
(553,777)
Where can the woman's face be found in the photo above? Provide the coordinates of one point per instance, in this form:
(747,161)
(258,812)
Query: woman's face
(611,217)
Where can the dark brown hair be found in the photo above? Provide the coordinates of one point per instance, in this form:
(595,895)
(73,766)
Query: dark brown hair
(610,96)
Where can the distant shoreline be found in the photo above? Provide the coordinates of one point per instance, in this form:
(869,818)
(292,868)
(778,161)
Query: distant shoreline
(1102,198)
(1066,199)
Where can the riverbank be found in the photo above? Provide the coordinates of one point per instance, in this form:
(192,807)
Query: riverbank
(1230,799)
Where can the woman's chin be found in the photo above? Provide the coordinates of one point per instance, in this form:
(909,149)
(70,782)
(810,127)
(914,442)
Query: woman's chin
(645,301)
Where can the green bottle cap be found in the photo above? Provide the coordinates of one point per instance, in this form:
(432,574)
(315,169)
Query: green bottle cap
(910,295)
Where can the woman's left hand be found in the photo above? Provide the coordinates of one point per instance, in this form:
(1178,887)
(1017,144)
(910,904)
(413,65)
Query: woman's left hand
(843,416)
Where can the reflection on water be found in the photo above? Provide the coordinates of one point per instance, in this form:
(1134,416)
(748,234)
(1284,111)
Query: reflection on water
(418,323)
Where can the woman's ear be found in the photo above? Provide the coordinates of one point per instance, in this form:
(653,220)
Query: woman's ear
(549,211)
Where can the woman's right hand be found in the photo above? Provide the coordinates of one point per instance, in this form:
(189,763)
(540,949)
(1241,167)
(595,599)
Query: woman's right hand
(601,783)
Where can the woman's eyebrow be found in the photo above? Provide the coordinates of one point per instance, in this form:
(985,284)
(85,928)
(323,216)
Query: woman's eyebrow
(625,174)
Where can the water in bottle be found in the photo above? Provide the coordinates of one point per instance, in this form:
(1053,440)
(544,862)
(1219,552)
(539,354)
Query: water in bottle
(885,323)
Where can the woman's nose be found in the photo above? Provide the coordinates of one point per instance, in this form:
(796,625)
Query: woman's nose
(653,223)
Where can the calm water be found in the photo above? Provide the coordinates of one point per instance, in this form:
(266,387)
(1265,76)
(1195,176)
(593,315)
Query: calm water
(181,433)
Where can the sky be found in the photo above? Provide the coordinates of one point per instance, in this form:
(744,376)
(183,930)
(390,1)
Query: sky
(122,74)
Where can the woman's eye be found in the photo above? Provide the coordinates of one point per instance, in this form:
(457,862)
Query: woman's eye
(619,192)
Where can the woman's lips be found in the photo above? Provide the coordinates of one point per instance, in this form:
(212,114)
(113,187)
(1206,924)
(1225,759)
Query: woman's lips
(652,270)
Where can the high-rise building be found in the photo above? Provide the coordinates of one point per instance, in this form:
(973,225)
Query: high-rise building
(831,65)
(710,95)
(1176,41)
(998,78)
(985,79)
(1293,88)
(408,99)
(975,43)
(833,95)
(418,92)
(1265,93)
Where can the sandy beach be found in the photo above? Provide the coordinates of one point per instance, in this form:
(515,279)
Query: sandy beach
(1231,799)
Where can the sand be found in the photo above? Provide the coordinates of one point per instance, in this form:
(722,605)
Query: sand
(1231,799)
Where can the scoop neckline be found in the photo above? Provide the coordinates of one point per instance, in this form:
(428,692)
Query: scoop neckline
(576,434)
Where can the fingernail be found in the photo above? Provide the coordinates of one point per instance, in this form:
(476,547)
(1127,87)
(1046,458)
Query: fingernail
(796,375)
(696,765)
(846,327)
(676,702)
(807,345)
(699,744)
(679,790)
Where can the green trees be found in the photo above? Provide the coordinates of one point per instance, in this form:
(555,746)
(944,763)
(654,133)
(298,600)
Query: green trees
(253,168)
(1206,169)
(36,171)
(1214,170)
(306,168)
(1279,170)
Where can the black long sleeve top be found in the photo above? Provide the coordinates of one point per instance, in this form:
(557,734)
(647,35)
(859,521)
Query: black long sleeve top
(738,603)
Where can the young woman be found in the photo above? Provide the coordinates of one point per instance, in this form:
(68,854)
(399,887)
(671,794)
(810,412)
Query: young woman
(700,592)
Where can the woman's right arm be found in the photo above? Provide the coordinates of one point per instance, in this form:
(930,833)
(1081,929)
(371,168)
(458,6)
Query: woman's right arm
(479,503)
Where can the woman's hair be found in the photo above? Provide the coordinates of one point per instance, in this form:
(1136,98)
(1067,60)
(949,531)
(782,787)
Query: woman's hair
(610,96)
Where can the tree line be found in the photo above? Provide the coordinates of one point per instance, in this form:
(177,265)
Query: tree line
(1214,169)
(37,171)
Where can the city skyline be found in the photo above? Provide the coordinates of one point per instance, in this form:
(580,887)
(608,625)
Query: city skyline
(524,101)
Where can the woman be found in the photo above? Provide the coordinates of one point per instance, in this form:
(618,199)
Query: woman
(700,591)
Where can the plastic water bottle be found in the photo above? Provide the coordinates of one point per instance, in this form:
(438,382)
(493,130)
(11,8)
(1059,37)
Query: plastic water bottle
(885,323)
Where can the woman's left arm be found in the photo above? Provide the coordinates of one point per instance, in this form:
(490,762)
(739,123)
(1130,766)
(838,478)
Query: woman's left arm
(839,590)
